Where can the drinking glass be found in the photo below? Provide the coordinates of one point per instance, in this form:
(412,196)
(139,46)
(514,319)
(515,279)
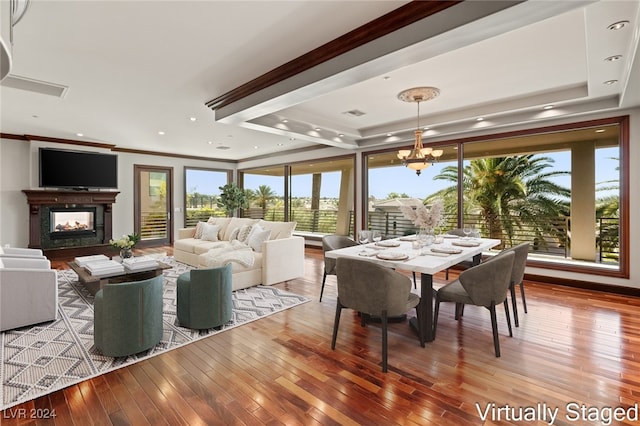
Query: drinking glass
(363,237)
(467,231)
(376,236)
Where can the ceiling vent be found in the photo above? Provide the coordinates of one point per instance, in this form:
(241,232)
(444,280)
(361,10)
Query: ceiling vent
(35,86)
(223,147)
(354,113)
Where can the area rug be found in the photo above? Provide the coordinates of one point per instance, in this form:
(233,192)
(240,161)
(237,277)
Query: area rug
(47,357)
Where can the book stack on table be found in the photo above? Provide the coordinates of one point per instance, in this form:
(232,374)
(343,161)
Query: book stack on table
(104,268)
(139,263)
(84,260)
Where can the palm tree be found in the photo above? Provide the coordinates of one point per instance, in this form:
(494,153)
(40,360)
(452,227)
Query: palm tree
(508,194)
(263,196)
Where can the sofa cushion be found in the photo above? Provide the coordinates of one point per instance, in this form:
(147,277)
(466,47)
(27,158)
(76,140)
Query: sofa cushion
(223,222)
(236,222)
(186,244)
(257,236)
(278,229)
(210,232)
(199,228)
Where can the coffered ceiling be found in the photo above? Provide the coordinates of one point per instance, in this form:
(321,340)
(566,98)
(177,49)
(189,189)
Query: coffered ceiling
(121,72)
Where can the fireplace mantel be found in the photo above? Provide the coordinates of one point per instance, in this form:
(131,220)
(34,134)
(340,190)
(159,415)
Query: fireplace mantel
(40,201)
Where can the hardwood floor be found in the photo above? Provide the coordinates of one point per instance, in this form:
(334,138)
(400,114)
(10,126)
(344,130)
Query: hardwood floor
(574,346)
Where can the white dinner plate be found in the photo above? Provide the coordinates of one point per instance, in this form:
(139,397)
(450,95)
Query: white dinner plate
(392,256)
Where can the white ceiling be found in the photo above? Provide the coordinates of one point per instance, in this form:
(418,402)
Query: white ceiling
(134,68)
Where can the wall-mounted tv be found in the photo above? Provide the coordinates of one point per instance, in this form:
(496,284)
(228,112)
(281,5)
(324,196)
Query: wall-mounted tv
(61,168)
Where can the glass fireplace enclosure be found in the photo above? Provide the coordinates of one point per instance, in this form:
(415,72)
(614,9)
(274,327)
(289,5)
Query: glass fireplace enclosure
(70,222)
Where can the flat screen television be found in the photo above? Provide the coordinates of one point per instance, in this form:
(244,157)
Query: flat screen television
(61,168)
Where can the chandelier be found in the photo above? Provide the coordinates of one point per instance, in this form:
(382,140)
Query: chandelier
(419,157)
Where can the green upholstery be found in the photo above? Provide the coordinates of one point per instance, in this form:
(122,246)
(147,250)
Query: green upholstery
(204,297)
(128,317)
(485,285)
(375,290)
(333,242)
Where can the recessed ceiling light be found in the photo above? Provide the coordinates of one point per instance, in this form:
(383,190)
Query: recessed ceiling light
(479,118)
(389,134)
(256,147)
(161,132)
(192,118)
(285,121)
(610,82)
(79,134)
(613,58)
(292,139)
(341,135)
(600,131)
(209,142)
(318,129)
(617,25)
(547,107)
(280,144)
(426,128)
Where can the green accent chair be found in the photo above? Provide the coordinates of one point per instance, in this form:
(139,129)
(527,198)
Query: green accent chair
(374,290)
(128,317)
(486,284)
(204,297)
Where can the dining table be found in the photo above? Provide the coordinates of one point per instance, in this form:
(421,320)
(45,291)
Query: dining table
(402,253)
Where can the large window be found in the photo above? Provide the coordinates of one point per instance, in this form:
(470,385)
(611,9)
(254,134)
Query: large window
(202,187)
(317,195)
(560,188)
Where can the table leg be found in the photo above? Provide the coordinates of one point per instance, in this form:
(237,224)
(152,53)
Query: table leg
(426,310)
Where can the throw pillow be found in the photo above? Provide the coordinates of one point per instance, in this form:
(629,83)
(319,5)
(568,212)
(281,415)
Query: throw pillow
(210,232)
(243,233)
(257,237)
(199,229)
(234,234)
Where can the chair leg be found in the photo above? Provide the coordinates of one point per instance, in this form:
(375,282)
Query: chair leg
(494,327)
(524,300)
(436,311)
(506,311)
(419,318)
(512,290)
(324,278)
(415,283)
(336,322)
(446,274)
(384,341)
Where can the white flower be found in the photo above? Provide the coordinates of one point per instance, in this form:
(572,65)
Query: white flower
(422,216)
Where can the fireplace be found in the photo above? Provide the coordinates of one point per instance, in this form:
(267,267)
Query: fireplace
(72,222)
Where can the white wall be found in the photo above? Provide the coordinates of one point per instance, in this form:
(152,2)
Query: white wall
(15,172)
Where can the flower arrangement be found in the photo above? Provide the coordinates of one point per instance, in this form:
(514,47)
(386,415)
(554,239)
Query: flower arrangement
(424,217)
(126,242)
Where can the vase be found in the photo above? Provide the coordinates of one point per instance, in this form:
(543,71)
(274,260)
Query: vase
(126,253)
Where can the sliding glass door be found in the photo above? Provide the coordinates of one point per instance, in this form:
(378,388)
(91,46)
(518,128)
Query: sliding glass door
(153,204)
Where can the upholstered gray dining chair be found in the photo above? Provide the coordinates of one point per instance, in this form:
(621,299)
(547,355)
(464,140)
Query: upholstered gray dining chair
(374,290)
(517,278)
(486,284)
(465,264)
(333,242)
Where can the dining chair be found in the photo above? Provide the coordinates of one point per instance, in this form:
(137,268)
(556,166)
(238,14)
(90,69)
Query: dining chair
(333,242)
(486,284)
(517,277)
(374,290)
(465,264)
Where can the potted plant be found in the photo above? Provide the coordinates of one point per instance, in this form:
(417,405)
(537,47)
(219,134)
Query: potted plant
(232,198)
(125,244)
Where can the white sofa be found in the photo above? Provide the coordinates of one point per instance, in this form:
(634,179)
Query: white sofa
(28,292)
(21,252)
(275,254)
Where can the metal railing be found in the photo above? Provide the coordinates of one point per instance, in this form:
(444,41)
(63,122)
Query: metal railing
(548,235)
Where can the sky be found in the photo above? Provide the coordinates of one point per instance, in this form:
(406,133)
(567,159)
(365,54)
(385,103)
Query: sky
(383,181)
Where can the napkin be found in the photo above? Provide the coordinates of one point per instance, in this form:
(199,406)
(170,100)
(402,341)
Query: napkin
(465,243)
